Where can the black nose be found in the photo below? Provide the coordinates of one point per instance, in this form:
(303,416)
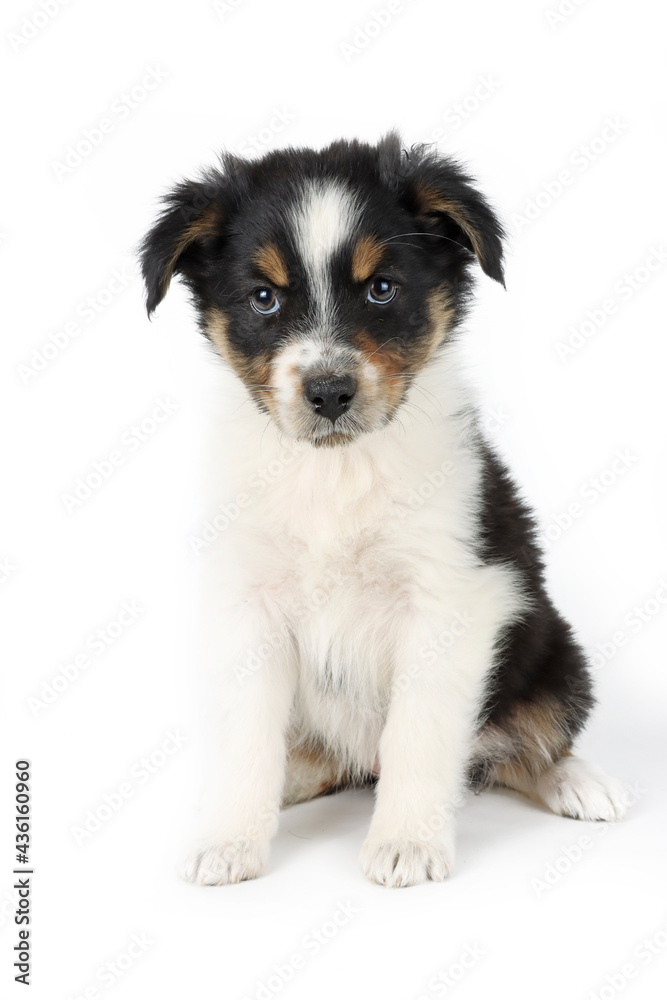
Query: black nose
(330,397)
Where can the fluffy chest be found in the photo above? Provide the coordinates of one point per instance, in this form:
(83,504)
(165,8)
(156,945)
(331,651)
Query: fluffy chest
(346,545)
(350,540)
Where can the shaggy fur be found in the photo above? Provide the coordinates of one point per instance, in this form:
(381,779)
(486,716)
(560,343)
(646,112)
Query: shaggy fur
(377,611)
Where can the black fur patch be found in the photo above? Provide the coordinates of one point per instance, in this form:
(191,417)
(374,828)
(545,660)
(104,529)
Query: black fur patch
(211,230)
(538,657)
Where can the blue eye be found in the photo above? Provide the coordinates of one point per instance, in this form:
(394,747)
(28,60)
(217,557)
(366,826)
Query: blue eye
(381,291)
(264,301)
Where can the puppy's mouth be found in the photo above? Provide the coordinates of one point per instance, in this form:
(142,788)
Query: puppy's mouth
(322,431)
(325,434)
(333,408)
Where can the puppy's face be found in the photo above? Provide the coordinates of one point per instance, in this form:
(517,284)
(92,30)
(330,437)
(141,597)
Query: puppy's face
(326,280)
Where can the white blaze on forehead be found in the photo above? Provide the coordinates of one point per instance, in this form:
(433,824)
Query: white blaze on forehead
(324,221)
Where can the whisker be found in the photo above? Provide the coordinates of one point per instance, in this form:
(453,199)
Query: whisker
(268,424)
(410,403)
(415,245)
(424,394)
(404,376)
(247,400)
(382,345)
(436,235)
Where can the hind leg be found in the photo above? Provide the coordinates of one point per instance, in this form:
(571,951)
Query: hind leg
(530,752)
(569,787)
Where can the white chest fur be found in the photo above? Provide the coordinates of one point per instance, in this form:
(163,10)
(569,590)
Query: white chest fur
(349,545)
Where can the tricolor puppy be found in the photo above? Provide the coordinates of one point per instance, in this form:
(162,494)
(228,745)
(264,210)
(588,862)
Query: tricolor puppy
(377,611)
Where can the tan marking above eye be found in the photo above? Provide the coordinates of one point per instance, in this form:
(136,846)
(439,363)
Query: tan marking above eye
(272,265)
(366,256)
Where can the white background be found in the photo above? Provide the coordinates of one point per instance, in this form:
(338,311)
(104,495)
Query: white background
(551,85)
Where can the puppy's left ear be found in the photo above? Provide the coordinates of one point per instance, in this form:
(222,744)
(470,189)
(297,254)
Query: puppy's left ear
(192,217)
(446,201)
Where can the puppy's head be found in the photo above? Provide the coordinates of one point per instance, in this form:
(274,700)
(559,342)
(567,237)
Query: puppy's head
(327,280)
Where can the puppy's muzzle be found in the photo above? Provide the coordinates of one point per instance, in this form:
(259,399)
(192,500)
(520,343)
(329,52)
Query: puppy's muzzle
(330,397)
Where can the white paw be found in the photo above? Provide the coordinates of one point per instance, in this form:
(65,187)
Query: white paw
(225,863)
(575,788)
(403,862)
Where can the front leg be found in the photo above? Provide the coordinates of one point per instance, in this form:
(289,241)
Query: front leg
(425,745)
(251,700)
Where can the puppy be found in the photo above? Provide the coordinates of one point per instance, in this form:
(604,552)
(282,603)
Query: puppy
(376,613)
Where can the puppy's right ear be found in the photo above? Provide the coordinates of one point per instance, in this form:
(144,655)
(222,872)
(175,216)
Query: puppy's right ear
(193,215)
